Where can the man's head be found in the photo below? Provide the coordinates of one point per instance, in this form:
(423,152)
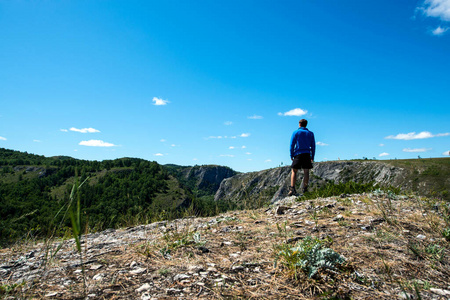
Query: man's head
(303,123)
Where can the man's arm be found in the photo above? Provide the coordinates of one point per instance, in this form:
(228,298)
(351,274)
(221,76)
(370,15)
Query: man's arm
(292,146)
(313,147)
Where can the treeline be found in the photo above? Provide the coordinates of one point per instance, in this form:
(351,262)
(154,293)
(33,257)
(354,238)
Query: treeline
(35,194)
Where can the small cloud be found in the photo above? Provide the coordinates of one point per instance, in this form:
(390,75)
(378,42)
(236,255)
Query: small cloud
(2,138)
(439,30)
(215,137)
(231,147)
(436,9)
(415,136)
(321,144)
(228,123)
(158,154)
(226,155)
(297,112)
(37,141)
(248,153)
(162,140)
(268,160)
(173,145)
(96,143)
(195,159)
(159,101)
(245,135)
(383,154)
(64,130)
(255,117)
(446,153)
(243,147)
(416,150)
(381,145)
(84,130)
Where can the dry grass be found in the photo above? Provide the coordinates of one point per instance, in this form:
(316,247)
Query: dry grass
(393,247)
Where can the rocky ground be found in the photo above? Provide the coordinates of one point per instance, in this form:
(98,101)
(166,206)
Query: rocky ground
(394,248)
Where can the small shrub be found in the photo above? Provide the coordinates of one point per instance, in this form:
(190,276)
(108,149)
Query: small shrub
(311,255)
(446,233)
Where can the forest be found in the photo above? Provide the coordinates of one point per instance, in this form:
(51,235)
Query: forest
(35,194)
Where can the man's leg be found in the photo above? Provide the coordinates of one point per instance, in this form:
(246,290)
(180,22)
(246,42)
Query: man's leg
(292,190)
(293,177)
(305,181)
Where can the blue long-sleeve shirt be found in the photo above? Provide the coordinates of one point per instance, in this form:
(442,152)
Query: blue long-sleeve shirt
(302,141)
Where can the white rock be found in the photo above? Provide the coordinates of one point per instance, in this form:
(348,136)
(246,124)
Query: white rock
(179,277)
(421,236)
(98,276)
(95,267)
(51,294)
(138,271)
(440,292)
(146,296)
(144,287)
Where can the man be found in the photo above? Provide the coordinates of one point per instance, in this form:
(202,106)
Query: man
(303,149)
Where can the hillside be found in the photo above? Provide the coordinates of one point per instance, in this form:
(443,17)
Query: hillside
(35,193)
(35,190)
(430,177)
(363,246)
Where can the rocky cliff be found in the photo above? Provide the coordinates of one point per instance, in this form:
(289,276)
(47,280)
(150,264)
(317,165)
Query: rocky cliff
(272,185)
(206,178)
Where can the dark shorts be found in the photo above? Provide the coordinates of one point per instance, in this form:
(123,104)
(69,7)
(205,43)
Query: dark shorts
(302,161)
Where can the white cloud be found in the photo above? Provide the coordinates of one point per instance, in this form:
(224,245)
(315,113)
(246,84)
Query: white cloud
(162,140)
(96,143)
(294,112)
(255,117)
(416,150)
(64,130)
(268,160)
(195,159)
(2,138)
(446,153)
(321,144)
(231,147)
(439,30)
(158,154)
(173,145)
(414,136)
(243,147)
(228,123)
(383,154)
(159,101)
(226,155)
(245,135)
(84,130)
(437,9)
(381,145)
(37,141)
(248,153)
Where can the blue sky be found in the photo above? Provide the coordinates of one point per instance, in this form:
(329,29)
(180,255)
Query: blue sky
(225,82)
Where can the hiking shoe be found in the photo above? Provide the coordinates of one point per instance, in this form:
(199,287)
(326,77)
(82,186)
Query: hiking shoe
(305,189)
(292,191)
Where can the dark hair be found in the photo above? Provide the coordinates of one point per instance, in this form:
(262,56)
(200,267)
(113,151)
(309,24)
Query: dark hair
(303,123)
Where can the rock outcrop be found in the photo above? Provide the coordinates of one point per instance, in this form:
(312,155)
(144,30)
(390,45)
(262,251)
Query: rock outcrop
(273,184)
(207,177)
